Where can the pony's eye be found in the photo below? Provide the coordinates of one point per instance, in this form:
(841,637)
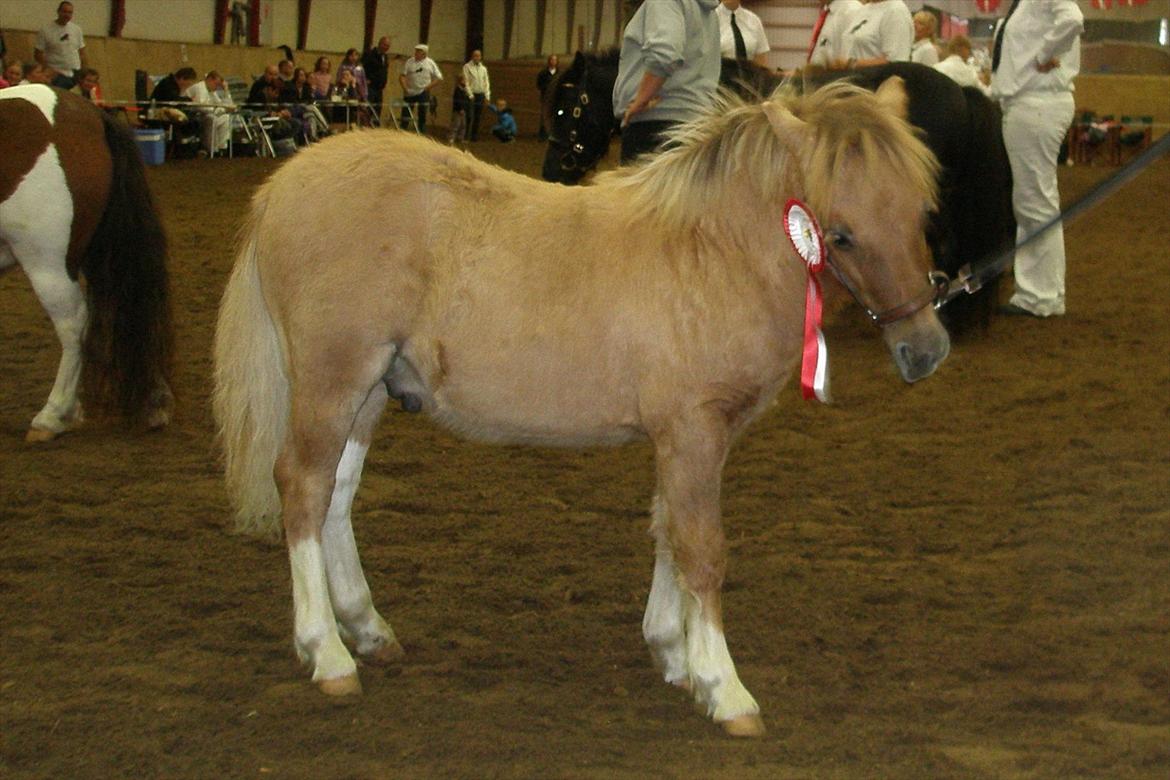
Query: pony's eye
(840,239)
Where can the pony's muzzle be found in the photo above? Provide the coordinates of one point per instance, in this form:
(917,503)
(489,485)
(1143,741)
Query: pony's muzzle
(918,345)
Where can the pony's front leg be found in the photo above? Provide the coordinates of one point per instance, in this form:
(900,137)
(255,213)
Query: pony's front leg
(663,624)
(690,462)
(65,305)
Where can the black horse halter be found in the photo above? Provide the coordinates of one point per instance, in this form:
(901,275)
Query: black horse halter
(934,295)
(571,148)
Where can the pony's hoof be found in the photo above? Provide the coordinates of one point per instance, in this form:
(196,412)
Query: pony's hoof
(744,726)
(685,684)
(39,436)
(349,685)
(384,655)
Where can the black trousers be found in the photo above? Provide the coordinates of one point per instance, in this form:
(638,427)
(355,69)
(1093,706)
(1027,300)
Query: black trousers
(422,102)
(642,137)
(477,101)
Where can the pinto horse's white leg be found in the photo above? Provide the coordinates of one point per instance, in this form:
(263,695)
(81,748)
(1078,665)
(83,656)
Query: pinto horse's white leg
(65,304)
(690,460)
(348,589)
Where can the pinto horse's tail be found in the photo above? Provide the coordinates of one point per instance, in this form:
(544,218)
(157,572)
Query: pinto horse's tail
(251,398)
(127,349)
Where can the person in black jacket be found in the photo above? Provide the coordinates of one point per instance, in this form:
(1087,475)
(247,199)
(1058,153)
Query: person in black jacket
(543,79)
(376,63)
(173,87)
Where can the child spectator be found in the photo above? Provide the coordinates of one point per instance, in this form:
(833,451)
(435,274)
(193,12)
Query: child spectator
(459,108)
(505,127)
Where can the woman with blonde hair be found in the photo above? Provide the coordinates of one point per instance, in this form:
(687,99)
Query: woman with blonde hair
(925,48)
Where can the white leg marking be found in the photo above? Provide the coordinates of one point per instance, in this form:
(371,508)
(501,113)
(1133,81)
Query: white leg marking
(317,640)
(712,670)
(34,227)
(662,625)
(348,589)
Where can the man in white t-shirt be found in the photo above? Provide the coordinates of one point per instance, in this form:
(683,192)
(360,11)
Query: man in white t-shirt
(419,74)
(880,31)
(828,50)
(958,67)
(752,42)
(211,101)
(60,45)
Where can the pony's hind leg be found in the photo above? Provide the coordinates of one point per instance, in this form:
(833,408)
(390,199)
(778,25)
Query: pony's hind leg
(317,449)
(353,606)
(65,304)
(690,459)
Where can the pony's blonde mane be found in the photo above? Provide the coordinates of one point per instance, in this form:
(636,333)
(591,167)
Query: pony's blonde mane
(735,145)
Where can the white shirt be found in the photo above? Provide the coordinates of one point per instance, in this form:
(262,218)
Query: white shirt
(830,46)
(210,101)
(923,51)
(755,39)
(961,72)
(1038,31)
(476,76)
(61,46)
(881,29)
(419,74)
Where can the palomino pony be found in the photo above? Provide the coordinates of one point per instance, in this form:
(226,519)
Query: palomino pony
(74,204)
(675,314)
(974,221)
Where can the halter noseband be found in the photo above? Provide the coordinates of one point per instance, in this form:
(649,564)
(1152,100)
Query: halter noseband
(935,295)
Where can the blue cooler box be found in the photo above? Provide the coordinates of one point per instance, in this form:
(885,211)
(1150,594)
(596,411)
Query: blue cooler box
(152,144)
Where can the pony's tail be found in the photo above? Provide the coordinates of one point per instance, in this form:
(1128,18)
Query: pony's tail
(128,345)
(251,398)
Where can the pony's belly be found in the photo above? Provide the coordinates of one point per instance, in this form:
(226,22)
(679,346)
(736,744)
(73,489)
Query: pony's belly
(494,401)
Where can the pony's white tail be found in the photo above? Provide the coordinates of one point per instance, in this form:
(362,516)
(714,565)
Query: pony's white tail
(251,399)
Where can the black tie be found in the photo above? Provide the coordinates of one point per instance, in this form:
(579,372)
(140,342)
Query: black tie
(997,49)
(740,46)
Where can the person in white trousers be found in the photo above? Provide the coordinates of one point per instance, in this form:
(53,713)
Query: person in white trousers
(1035,55)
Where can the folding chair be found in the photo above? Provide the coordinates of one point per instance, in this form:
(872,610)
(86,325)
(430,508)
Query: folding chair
(396,109)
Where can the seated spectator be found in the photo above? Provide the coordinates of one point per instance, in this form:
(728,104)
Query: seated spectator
(264,97)
(346,89)
(505,127)
(172,88)
(958,67)
(352,64)
(36,73)
(298,95)
(13,73)
(212,102)
(88,86)
(321,79)
(286,68)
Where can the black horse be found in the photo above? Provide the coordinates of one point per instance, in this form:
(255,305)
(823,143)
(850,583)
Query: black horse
(961,126)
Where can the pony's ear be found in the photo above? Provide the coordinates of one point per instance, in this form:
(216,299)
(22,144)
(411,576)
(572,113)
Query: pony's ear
(892,95)
(792,131)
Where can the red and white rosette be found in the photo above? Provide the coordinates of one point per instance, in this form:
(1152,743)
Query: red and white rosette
(808,241)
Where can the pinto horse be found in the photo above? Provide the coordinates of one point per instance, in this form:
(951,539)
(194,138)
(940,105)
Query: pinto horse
(675,315)
(961,126)
(75,205)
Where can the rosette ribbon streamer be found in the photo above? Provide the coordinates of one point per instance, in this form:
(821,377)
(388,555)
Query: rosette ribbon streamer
(808,241)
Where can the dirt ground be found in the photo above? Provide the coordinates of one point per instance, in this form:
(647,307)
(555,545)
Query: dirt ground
(963,578)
